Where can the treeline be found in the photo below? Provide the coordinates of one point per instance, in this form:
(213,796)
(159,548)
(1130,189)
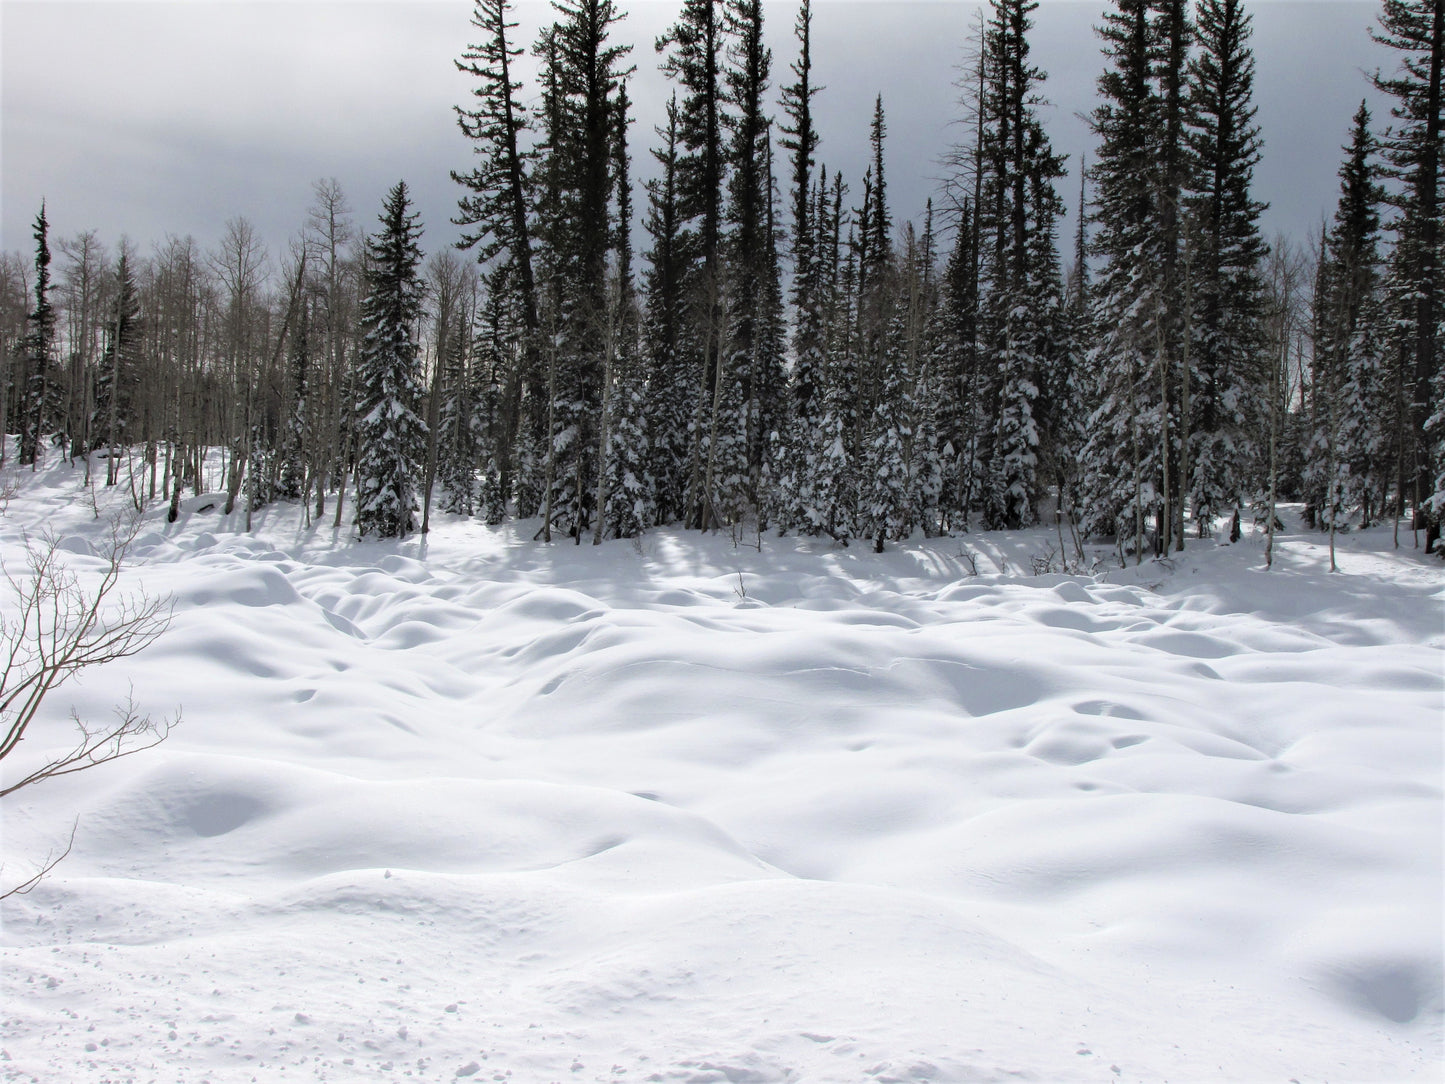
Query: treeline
(782,353)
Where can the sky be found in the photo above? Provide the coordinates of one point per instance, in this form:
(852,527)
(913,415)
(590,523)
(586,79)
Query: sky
(172,116)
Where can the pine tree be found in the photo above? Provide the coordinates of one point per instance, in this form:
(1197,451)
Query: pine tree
(805,388)
(668,390)
(119,373)
(295,452)
(800,137)
(877,279)
(1020,275)
(1065,393)
(624,491)
(887,498)
(584,74)
(494,387)
(735,445)
(458,431)
(495,214)
(695,45)
(1227,351)
(1412,150)
(391,435)
(497,219)
(1123,459)
(921,299)
(1348,387)
(42,408)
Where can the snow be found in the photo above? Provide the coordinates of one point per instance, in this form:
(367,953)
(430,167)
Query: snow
(472,807)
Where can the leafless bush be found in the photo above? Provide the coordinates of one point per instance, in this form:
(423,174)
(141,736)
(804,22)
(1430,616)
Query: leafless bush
(1043,563)
(53,628)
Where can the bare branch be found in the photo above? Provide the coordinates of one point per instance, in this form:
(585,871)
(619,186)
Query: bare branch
(51,861)
(56,626)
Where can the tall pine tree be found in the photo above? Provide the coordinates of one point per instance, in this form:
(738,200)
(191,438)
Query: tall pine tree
(1412,149)
(1227,350)
(41,410)
(390,432)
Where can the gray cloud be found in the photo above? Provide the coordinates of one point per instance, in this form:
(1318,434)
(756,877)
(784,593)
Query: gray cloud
(144,118)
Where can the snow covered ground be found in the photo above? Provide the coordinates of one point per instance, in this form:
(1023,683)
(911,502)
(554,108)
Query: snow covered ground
(474,808)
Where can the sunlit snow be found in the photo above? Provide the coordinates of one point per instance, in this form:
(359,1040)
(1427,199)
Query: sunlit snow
(689,809)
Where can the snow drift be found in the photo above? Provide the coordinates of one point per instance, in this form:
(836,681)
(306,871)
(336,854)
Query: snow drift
(685,810)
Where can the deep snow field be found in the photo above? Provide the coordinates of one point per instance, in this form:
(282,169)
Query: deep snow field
(471,807)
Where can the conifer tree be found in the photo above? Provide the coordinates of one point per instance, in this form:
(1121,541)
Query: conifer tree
(624,489)
(497,219)
(584,76)
(800,137)
(796,453)
(494,386)
(458,428)
(877,280)
(1412,151)
(736,444)
(1020,274)
(1227,351)
(296,439)
(119,373)
(956,376)
(695,46)
(887,499)
(391,435)
(1359,337)
(1347,370)
(668,387)
(1123,461)
(41,409)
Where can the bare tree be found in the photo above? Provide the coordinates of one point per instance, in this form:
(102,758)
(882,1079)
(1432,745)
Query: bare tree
(58,627)
(328,228)
(240,263)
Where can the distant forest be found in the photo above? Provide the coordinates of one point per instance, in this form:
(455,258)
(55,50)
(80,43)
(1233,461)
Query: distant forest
(780,355)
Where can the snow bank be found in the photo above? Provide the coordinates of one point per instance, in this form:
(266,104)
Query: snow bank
(678,810)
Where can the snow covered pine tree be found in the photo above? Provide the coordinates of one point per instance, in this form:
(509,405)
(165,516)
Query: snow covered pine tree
(391,436)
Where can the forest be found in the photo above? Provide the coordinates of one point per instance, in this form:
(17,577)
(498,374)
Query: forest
(782,354)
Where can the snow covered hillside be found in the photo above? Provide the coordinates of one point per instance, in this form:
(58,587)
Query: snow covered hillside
(470,807)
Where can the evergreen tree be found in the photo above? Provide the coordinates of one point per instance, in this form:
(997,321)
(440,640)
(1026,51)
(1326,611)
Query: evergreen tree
(668,391)
(1123,459)
(1065,392)
(1412,151)
(584,76)
(887,499)
(796,455)
(459,426)
(497,223)
(494,387)
(119,375)
(1020,274)
(695,46)
(391,435)
(1227,351)
(625,491)
(1349,393)
(297,438)
(42,409)
(800,137)
(876,284)
(736,444)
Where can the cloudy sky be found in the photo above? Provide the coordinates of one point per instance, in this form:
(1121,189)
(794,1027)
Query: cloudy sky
(171,116)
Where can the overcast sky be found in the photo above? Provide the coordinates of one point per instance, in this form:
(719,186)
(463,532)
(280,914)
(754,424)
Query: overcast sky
(171,116)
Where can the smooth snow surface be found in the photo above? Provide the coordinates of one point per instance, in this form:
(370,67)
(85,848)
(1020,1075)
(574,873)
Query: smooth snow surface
(683,810)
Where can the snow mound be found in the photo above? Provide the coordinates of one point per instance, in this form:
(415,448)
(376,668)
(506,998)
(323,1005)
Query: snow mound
(468,807)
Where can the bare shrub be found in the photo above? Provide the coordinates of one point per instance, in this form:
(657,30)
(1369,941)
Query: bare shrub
(53,628)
